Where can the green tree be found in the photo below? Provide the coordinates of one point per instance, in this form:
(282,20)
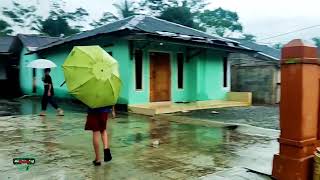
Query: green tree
(22,16)
(57,27)
(125,9)
(58,22)
(316,41)
(221,21)
(277,46)
(180,15)
(107,17)
(184,12)
(249,37)
(157,7)
(194,13)
(5,28)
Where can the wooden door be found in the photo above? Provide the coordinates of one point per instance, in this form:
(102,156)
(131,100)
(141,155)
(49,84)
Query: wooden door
(160,77)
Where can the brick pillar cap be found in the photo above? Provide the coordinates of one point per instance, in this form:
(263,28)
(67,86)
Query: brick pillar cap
(299,42)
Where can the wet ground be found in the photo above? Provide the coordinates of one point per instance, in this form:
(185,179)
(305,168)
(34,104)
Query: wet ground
(63,150)
(261,116)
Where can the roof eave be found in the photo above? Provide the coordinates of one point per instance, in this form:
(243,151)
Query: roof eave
(115,33)
(198,44)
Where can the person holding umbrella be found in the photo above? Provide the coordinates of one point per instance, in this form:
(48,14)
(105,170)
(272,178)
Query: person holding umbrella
(97,123)
(48,86)
(48,94)
(92,76)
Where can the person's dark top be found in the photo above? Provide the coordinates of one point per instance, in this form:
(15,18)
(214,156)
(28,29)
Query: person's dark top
(47,80)
(107,109)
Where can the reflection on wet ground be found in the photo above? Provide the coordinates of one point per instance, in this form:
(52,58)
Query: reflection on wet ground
(261,116)
(143,148)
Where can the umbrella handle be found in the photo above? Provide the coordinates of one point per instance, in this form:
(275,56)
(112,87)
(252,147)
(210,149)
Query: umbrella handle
(63,83)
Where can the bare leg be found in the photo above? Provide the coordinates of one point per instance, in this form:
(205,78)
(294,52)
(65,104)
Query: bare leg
(95,141)
(106,151)
(104,137)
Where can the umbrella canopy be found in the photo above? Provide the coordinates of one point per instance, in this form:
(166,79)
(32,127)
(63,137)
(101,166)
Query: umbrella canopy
(92,76)
(41,64)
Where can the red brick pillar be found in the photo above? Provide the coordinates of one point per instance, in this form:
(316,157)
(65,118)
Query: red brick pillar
(299,108)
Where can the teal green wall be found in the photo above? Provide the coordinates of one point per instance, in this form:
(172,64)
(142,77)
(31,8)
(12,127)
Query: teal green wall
(209,70)
(58,55)
(57,74)
(142,96)
(26,73)
(203,74)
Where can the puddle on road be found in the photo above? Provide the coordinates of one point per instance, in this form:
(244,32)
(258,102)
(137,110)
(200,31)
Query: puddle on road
(63,149)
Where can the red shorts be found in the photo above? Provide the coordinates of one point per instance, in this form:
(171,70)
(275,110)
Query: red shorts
(96,121)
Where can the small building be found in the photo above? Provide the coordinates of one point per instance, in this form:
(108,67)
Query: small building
(159,61)
(10,48)
(258,73)
(30,79)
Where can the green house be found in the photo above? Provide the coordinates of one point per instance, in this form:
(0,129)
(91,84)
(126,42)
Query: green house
(159,61)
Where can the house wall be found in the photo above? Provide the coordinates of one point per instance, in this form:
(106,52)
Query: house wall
(58,55)
(260,80)
(203,75)
(26,73)
(259,76)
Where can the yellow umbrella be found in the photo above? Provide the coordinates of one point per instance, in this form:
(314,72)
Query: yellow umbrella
(92,76)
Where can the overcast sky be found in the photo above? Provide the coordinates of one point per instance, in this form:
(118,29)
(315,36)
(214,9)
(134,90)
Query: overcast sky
(263,18)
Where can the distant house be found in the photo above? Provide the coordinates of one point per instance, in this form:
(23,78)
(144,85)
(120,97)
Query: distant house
(258,73)
(30,79)
(10,49)
(159,60)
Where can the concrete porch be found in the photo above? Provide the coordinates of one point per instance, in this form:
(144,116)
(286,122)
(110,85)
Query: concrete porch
(235,99)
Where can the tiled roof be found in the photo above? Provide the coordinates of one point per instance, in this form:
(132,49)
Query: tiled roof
(264,50)
(33,41)
(6,43)
(153,26)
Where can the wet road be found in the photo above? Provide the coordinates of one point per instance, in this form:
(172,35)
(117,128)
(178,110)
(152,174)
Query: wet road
(63,150)
(261,116)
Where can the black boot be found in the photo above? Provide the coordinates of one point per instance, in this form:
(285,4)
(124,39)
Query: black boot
(107,155)
(96,163)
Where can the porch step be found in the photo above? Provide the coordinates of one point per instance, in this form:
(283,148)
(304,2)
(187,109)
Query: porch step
(151,109)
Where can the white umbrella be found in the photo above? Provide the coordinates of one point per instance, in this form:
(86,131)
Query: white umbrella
(41,64)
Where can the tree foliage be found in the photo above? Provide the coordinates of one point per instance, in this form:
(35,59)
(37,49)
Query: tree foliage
(316,41)
(21,16)
(194,13)
(221,21)
(125,8)
(5,28)
(57,27)
(107,17)
(157,7)
(180,15)
(277,46)
(57,23)
(249,37)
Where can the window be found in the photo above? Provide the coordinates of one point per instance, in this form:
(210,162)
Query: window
(225,72)
(138,68)
(180,70)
